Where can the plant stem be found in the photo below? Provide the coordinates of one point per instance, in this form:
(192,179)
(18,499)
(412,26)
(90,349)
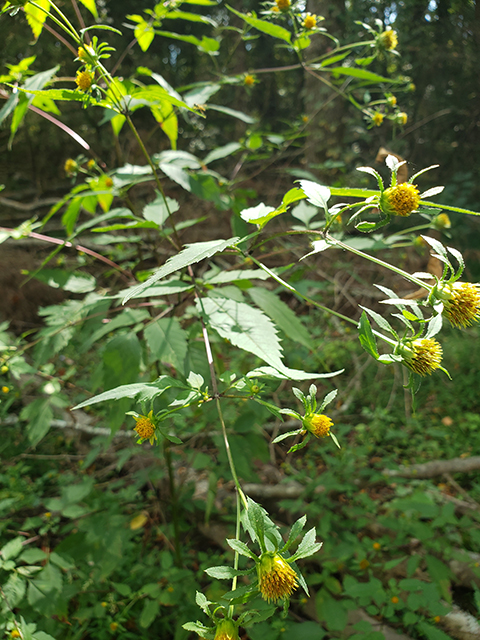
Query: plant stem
(177,244)
(173,496)
(236,556)
(229,455)
(381,263)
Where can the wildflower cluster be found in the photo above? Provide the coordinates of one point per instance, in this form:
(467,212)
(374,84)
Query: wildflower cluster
(275,576)
(314,422)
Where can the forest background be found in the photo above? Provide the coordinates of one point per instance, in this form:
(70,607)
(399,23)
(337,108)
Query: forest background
(102,538)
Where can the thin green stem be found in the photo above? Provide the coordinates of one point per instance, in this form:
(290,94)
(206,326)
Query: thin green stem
(67,27)
(229,455)
(177,244)
(381,263)
(174,498)
(236,556)
(314,302)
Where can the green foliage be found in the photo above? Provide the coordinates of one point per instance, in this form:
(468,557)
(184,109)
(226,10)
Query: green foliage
(204,336)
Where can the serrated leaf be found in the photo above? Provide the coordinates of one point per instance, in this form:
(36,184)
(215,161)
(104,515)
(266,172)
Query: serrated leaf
(328,398)
(149,390)
(36,17)
(12,548)
(287,434)
(167,342)
(90,5)
(245,327)
(316,194)
(295,532)
(434,326)
(260,214)
(380,320)
(284,318)
(300,445)
(436,246)
(366,337)
(192,254)
(308,545)
(224,573)
(241,548)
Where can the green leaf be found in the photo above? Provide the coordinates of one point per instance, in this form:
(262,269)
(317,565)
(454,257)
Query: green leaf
(36,17)
(12,548)
(269,28)
(13,591)
(241,548)
(308,546)
(167,341)
(431,632)
(224,573)
(316,194)
(192,254)
(149,390)
(90,5)
(366,337)
(159,210)
(245,327)
(233,112)
(295,532)
(448,208)
(281,314)
(149,612)
(287,434)
(145,34)
(380,320)
(362,74)
(222,152)
(38,415)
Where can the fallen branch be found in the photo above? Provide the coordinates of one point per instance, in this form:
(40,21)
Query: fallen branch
(436,468)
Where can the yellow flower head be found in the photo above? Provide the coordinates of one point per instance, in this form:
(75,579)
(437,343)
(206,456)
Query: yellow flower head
(70,166)
(108,182)
(310,21)
(82,54)
(319,425)
(276,578)
(15,634)
(423,356)
(377,118)
(84,80)
(283,5)
(249,80)
(388,40)
(462,304)
(401,118)
(145,427)
(91,163)
(5,389)
(442,221)
(113,626)
(226,630)
(4,369)
(400,200)
(392,101)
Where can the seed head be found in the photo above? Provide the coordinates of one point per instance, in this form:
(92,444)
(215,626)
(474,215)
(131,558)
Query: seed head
(283,5)
(462,307)
(84,80)
(276,578)
(423,356)
(400,200)
(226,630)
